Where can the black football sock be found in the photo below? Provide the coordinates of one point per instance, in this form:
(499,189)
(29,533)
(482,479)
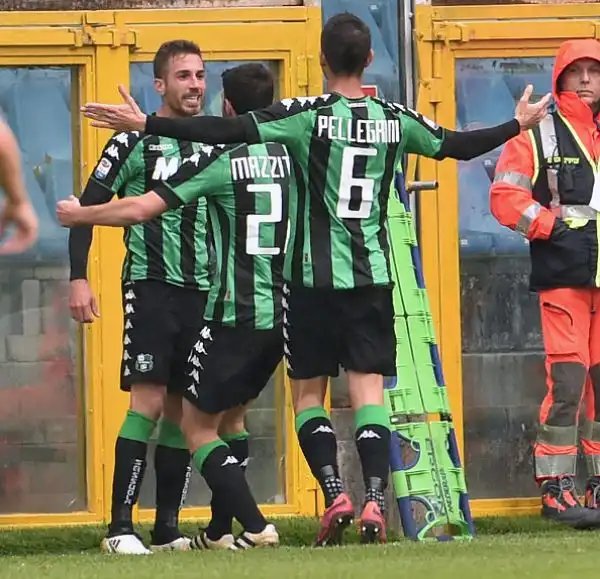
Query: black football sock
(130,465)
(222,520)
(172,469)
(373,445)
(319,446)
(222,473)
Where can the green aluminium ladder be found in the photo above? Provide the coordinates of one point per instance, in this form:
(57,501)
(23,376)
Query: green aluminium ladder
(427,475)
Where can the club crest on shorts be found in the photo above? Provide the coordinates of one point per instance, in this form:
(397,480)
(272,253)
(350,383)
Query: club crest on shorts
(144,362)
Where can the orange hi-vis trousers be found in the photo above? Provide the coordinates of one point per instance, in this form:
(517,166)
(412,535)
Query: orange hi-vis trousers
(571,332)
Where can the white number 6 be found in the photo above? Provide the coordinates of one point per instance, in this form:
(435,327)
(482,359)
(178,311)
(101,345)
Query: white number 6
(347,181)
(253,221)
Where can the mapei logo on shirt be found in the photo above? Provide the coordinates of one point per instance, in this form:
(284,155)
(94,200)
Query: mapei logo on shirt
(103,168)
(161,147)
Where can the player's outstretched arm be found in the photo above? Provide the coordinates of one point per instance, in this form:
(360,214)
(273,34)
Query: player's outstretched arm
(439,143)
(119,213)
(129,117)
(467,145)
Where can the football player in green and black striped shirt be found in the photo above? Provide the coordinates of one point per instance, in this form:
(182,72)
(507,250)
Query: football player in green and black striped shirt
(165,284)
(247,188)
(345,148)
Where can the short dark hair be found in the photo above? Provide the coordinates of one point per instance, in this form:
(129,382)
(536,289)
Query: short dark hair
(248,87)
(170,49)
(346,43)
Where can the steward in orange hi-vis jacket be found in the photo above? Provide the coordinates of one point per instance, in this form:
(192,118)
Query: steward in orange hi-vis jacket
(543,188)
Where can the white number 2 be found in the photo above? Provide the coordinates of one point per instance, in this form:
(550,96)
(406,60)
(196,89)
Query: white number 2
(347,181)
(253,221)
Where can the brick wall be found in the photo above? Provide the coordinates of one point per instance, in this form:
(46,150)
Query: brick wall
(39,439)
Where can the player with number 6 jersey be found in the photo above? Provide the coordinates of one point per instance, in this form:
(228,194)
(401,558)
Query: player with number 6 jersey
(338,293)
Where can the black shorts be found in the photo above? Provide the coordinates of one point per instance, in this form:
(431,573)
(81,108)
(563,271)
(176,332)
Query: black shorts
(161,324)
(230,366)
(325,329)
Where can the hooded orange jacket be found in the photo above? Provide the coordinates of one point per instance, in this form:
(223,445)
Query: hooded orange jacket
(511,202)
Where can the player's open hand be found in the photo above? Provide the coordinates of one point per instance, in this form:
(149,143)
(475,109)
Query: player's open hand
(23,217)
(125,117)
(530,114)
(67,211)
(82,302)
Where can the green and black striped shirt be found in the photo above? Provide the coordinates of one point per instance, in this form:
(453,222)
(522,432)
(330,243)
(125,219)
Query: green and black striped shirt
(345,152)
(172,247)
(247,190)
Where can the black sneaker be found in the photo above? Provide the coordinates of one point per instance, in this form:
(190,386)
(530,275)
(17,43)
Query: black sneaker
(560,503)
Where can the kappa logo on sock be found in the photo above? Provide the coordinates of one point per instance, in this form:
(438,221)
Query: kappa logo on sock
(244,463)
(324,429)
(230,460)
(368,434)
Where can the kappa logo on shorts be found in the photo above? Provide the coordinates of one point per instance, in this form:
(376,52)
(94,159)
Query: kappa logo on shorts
(144,362)
(205,333)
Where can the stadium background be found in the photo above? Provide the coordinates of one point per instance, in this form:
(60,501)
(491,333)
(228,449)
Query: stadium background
(60,408)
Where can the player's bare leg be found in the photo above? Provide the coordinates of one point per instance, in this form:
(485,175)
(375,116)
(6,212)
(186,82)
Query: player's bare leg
(319,446)
(221,471)
(145,407)
(173,470)
(372,443)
